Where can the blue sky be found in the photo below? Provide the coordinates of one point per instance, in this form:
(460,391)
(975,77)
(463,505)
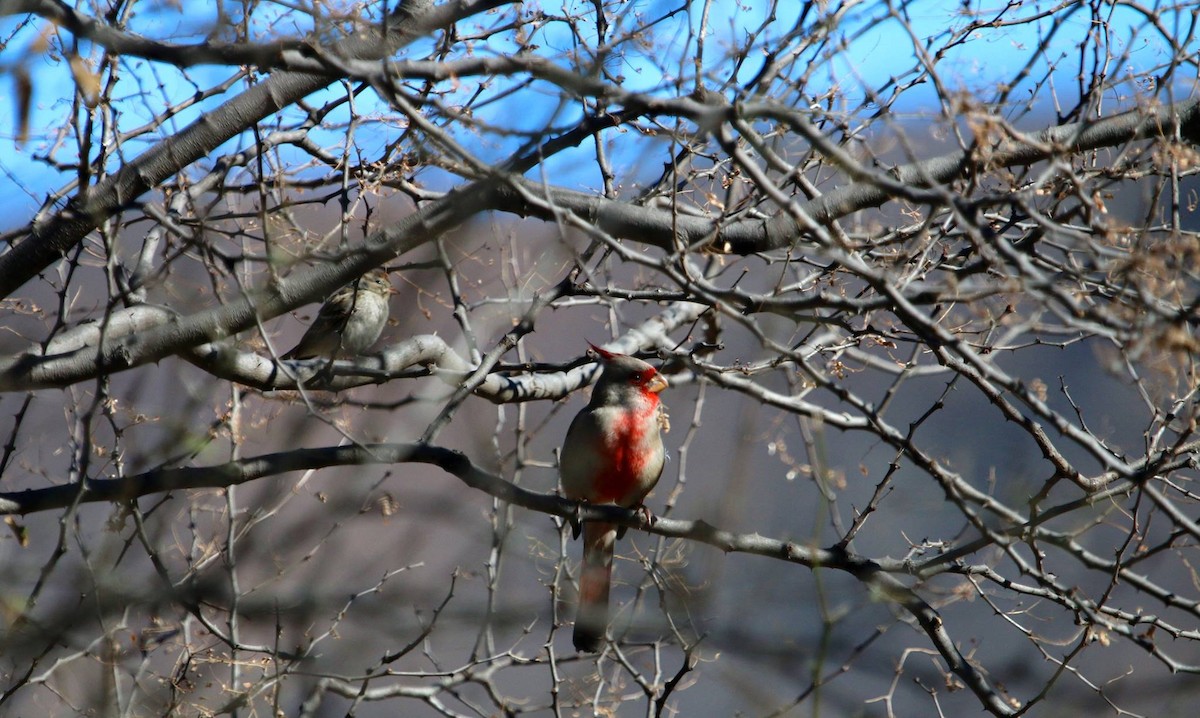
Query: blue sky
(878,48)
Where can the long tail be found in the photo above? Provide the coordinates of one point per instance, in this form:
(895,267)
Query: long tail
(595,577)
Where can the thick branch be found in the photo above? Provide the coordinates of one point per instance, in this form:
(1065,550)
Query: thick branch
(53,238)
(91,349)
(662,228)
(260,54)
(238,315)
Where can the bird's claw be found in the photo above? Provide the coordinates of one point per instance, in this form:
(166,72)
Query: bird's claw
(646,516)
(576,523)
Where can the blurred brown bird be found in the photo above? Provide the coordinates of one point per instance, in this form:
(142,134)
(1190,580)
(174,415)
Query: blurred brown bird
(350,320)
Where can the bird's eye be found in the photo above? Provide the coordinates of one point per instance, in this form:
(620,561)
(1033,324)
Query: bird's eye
(636,378)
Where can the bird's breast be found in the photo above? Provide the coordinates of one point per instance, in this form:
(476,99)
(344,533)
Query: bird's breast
(633,456)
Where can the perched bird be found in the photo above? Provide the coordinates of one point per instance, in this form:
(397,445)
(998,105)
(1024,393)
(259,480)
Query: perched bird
(350,320)
(613,454)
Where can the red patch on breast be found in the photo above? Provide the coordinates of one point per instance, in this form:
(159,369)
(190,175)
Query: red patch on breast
(627,473)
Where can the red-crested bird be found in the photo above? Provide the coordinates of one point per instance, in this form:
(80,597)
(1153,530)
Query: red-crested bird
(613,454)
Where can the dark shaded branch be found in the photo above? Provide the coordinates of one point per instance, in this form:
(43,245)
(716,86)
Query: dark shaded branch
(259,54)
(871,573)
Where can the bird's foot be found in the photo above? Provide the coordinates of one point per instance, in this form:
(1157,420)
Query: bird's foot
(574,520)
(647,519)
